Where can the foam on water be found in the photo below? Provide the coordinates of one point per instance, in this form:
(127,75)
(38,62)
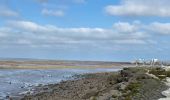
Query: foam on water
(14,82)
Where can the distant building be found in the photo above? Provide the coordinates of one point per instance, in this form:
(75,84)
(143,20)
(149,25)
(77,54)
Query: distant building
(152,62)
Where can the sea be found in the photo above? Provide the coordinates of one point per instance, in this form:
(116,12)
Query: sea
(15,82)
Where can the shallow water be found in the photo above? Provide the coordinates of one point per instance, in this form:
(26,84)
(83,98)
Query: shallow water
(14,82)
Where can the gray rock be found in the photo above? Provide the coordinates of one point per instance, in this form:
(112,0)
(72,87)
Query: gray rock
(115,93)
(121,86)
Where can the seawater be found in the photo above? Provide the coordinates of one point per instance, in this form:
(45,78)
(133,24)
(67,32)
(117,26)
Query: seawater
(14,82)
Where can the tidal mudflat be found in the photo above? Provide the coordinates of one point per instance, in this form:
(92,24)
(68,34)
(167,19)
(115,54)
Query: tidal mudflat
(15,82)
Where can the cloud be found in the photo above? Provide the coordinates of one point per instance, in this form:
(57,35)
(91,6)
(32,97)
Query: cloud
(6,12)
(33,35)
(84,31)
(24,42)
(158,8)
(61,2)
(57,13)
(4,31)
(161,28)
(125,27)
(130,41)
(58,8)
(25,25)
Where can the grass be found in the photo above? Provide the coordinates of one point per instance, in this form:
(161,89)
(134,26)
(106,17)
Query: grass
(133,88)
(160,73)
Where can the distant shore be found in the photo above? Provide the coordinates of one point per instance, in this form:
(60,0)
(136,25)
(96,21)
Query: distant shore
(128,84)
(45,64)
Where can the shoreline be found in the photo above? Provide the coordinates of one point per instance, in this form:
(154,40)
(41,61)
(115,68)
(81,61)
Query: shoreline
(57,67)
(166,93)
(132,83)
(61,64)
(15,82)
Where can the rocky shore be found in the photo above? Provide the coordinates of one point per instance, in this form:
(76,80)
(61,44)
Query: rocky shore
(127,84)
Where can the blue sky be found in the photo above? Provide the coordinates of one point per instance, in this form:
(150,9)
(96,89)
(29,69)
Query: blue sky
(114,30)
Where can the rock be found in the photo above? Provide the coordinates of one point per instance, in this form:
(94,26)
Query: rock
(115,93)
(7,97)
(121,86)
(105,96)
(90,93)
(101,86)
(93,98)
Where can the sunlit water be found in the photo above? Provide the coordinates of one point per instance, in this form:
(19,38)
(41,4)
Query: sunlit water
(14,82)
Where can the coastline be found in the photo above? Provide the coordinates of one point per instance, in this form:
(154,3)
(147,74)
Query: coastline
(62,64)
(16,81)
(128,84)
(166,93)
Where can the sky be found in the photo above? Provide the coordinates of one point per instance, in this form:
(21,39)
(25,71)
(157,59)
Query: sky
(107,30)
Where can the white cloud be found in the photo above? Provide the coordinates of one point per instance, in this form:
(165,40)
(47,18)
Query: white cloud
(84,32)
(33,34)
(57,13)
(140,8)
(125,27)
(24,41)
(25,25)
(6,12)
(130,41)
(162,28)
(4,31)
(122,33)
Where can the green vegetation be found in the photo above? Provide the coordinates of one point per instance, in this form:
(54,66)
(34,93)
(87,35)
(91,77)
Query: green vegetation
(160,73)
(133,88)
